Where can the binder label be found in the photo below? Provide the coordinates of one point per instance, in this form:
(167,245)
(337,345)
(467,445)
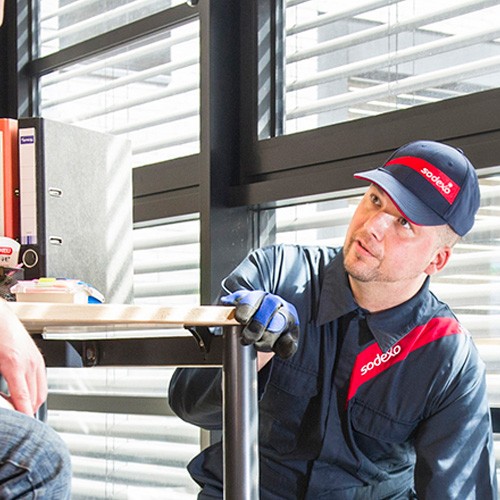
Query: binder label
(27,174)
(28,139)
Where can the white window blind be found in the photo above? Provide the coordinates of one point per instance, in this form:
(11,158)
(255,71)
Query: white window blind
(126,455)
(167,262)
(137,453)
(147,92)
(67,22)
(368,57)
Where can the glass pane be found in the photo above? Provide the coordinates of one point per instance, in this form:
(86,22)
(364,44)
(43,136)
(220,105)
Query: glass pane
(120,456)
(67,22)
(147,92)
(367,57)
(166,263)
(129,455)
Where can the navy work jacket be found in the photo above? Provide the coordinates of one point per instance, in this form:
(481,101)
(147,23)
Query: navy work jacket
(389,405)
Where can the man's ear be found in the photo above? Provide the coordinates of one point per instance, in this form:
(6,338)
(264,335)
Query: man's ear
(441,258)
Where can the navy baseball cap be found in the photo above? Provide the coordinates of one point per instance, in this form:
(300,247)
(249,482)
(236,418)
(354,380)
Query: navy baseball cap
(431,183)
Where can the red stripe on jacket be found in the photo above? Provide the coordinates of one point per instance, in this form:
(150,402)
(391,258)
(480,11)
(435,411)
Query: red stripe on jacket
(372,361)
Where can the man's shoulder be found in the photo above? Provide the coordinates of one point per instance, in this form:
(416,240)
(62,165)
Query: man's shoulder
(449,341)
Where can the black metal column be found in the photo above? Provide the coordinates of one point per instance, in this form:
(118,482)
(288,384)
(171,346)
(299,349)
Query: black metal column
(241,450)
(225,230)
(17,41)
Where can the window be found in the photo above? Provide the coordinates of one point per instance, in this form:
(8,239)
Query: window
(67,22)
(368,57)
(147,92)
(123,455)
(142,451)
(167,262)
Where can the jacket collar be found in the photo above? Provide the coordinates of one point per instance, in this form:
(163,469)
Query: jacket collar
(387,327)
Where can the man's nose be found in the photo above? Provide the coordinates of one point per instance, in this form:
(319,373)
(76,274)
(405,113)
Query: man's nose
(378,224)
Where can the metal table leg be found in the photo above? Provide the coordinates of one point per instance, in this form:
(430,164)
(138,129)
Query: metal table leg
(240,414)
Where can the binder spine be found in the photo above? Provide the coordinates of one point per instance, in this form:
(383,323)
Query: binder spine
(28,182)
(31,185)
(10,217)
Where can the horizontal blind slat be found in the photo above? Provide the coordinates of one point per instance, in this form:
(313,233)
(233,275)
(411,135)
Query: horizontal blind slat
(385,30)
(410,54)
(409,84)
(132,53)
(324,19)
(137,101)
(116,83)
(82,25)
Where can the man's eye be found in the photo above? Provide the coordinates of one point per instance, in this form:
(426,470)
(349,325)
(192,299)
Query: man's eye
(404,222)
(375,199)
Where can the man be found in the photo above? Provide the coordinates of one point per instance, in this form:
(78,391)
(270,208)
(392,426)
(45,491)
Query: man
(383,395)
(34,461)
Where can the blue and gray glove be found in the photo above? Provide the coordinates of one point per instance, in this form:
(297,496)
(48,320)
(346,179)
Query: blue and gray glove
(271,323)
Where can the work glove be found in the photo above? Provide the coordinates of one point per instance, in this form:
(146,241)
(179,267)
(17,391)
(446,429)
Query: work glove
(271,323)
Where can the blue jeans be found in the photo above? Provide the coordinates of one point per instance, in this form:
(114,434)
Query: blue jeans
(34,461)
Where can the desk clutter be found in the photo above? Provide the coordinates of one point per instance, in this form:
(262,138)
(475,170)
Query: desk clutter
(13,286)
(58,290)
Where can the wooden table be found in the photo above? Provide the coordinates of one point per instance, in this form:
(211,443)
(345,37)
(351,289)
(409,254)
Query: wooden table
(240,415)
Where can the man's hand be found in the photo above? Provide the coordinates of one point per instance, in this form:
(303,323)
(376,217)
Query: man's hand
(21,364)
(271,323)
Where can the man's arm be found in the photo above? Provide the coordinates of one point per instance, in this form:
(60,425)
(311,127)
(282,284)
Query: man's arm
(455,445)
(195,394)
(21,364)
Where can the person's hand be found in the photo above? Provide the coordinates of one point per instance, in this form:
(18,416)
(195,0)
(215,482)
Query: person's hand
(21,364)
(271,323)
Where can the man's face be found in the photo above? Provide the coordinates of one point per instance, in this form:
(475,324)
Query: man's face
(382,246)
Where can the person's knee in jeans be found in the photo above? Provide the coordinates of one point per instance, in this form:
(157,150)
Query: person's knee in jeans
(34,460)
(57,463)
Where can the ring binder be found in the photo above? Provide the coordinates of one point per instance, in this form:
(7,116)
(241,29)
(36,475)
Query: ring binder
(71,208)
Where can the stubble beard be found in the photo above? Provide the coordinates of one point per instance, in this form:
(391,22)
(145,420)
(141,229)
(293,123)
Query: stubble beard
(357,269)
(365,275)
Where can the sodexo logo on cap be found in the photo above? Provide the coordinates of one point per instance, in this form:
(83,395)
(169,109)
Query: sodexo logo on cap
(431,183)
(445,186)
